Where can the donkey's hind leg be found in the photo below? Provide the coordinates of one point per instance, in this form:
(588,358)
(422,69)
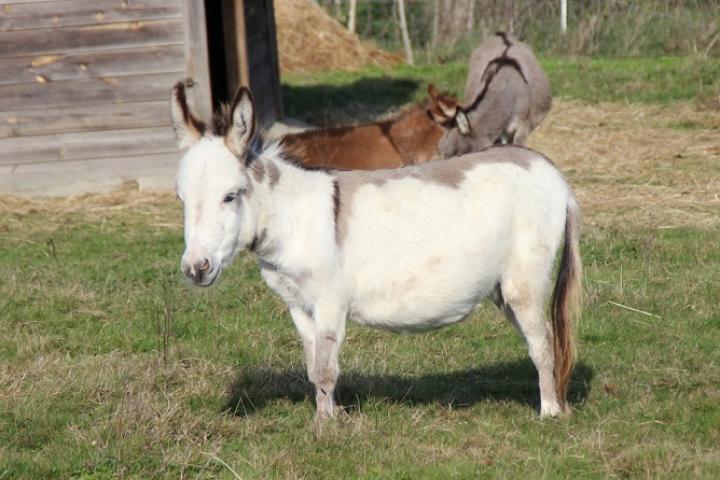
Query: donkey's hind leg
(329,334)
(523,304)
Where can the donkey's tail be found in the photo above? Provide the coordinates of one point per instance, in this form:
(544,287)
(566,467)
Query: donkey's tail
(567,303)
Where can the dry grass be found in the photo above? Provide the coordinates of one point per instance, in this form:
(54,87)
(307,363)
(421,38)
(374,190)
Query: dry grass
(656,166)
(148,207)
(310,40)
(93,204)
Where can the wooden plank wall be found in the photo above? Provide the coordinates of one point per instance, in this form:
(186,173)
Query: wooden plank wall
(88,80)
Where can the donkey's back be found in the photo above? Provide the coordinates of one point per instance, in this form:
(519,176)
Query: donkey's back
(409,138)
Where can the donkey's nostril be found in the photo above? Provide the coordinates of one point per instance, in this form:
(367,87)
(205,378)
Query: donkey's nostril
(205,265)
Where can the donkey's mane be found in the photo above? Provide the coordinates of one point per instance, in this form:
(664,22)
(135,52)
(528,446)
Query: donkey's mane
(221,120)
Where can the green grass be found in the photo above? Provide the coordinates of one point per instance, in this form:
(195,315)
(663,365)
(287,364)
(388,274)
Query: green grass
(96,381)
(341,96)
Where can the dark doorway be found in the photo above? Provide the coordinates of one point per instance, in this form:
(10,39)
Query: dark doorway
(216,54)
(242,51)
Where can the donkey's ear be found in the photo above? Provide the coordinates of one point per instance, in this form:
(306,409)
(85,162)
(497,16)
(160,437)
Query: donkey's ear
(443,113)
(241,131)
(442,107)
(188,128)
(448,109)
(462,122)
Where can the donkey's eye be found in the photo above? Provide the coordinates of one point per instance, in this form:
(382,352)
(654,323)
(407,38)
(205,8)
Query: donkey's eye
(230,197)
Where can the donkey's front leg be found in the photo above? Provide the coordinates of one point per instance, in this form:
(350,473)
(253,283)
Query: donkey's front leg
(329,334)
(305,326)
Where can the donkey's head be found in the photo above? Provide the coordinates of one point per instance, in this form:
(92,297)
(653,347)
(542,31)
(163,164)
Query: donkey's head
(212,183)
(447,112)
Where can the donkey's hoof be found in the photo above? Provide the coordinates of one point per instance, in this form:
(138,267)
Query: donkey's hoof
(324,404)
(550,410)
(321,421)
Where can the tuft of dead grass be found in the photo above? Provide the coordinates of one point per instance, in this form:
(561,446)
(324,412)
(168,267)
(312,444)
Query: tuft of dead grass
(156,209)
(311,40)
(126,198)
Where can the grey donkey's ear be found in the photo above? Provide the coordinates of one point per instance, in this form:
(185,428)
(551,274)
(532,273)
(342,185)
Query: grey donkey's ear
(462,122)
(188,128)
(240,134)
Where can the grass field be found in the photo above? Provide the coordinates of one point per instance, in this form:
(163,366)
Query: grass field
(112,366)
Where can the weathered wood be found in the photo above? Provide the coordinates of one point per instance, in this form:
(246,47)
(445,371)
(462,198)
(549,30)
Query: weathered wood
(13,2)
(84,117)
(85,145)
(241,43)
(66,13)
(78,66)
(65,178)
(134,88)
(95,37)
(197,62)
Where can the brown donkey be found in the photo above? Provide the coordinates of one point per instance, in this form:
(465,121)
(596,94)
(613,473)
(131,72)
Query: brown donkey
(410,138)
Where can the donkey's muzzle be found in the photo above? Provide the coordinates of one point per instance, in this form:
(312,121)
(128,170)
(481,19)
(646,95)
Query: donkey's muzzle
(198,271)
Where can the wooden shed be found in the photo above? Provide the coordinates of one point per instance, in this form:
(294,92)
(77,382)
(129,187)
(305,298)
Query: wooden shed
(85,84)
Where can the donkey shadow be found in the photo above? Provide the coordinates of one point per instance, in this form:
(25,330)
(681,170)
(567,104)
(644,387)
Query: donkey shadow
(363,100)
(255,388)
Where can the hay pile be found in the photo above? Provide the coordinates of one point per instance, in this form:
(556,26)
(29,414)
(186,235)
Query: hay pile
(309,40)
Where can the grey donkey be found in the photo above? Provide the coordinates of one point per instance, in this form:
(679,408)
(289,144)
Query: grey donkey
(507,95)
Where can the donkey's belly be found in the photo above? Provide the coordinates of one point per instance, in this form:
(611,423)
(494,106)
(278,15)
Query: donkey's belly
(413,304)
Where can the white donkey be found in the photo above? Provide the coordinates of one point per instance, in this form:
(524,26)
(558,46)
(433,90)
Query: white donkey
(406,250)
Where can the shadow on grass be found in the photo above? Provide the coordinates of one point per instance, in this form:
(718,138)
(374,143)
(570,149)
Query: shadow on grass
(360,101)
(515,381)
